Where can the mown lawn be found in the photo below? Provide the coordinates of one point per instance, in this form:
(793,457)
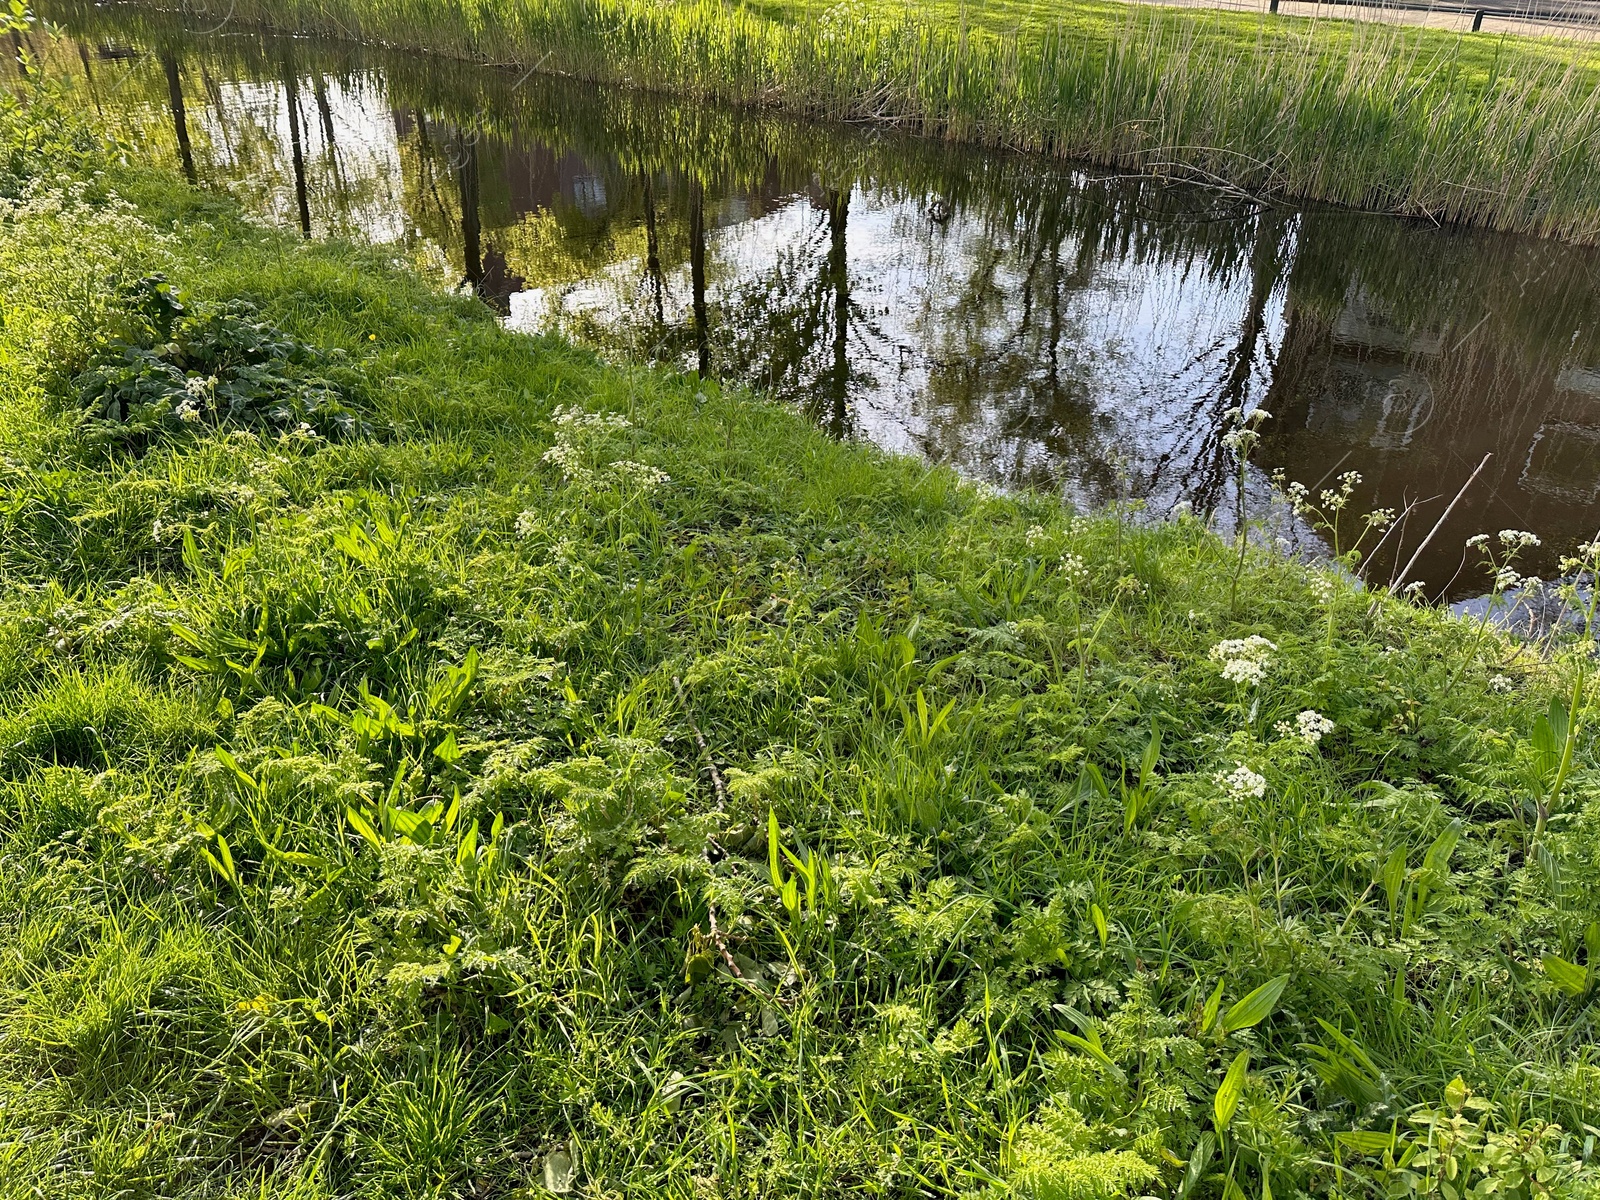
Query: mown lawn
(439,763)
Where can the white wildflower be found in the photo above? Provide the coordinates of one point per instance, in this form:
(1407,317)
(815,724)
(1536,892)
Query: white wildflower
(643,475)
(1035,535)
(1073,569)
(1517,538)
(570,416)
(1239,441)
(1242,782)
(1310,725)
(1476,540)
(1499,683)
(1243,660)
(527,523)
(1322,588)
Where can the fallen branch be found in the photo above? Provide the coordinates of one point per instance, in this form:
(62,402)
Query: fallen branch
(700,739)
(1400,579)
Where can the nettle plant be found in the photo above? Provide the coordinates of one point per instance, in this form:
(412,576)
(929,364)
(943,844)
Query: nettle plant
(169,368)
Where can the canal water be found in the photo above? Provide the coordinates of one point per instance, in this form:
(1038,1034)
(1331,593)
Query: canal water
(1034,323)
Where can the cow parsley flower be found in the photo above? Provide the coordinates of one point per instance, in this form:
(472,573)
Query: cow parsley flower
(643,475)
(1243,660)
(1242,782)
(1308,727)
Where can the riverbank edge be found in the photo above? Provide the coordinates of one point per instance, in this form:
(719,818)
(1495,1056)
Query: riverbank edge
(473,413)
(1503,142)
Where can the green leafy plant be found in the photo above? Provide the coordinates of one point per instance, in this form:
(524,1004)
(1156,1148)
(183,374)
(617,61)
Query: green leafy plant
(175,369)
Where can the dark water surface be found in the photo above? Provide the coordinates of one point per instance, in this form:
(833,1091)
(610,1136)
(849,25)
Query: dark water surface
(1033,324)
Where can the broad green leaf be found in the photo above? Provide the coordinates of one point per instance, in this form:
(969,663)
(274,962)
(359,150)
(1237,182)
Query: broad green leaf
(1092,1046)
(774,838)
(364,827)
(1363,1141)
(1394,877)
(1198,1162)
(1208,1015)
(467,849)
(296,858)
(447,750)
(239,772)
(1231,1090)
(1099,918)
(1152,756)
(1256,1007)
(1569,977)
(1092,783)
(1437,859)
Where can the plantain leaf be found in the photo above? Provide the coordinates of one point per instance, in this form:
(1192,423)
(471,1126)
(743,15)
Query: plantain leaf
(1231,1090)
(1256,1007)
(1362,1141)
(1208,1015)
(1569,977)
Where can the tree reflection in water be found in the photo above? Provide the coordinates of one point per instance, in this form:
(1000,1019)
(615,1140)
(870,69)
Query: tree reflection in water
(1033,325)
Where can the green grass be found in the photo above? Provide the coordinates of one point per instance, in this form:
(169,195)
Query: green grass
(356,839)
(1492,130)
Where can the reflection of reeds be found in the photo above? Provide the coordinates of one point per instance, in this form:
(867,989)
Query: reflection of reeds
(1502,132)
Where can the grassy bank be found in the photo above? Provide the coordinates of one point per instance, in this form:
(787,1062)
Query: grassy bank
(438,763)
(1497,131)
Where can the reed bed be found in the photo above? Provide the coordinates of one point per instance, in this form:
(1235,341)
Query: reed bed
(1479,129)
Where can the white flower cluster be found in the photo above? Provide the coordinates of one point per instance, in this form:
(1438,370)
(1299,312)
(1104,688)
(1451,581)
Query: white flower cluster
(1322,587)
(1505,579)
(567,458)
(1073,569)
(1035,535)
(1499,683)
(1245,433)
(571,423)
(1517,538)
(643,475)
(1308,727)
(1244,660)
(1588,553)
(527,523)
(1242,782)
(1333,500)
(571,417)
